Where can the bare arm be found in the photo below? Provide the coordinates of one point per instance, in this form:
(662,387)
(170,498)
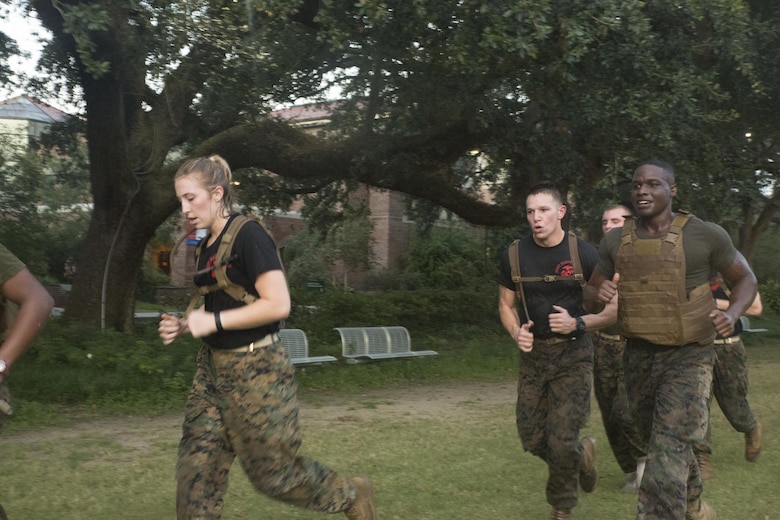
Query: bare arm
(507,312)
(35,305)
(744,289)
(273,305)
(756,308)
(599,291)
(561,322)
(605,318)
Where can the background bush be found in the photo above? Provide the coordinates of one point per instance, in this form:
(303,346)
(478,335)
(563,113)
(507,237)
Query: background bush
(770,295)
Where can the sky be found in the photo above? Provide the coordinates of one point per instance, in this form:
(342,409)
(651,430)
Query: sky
(25,30)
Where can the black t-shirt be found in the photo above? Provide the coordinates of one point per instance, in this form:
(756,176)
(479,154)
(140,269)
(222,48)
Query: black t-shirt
(255,253)
(541,296)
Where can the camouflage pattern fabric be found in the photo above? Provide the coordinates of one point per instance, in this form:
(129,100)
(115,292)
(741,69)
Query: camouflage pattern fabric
(730,388)
(610,389)
(244,405)
(553,404)
(668,389)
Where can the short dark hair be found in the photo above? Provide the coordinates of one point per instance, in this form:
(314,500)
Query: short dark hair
(665,166)
(548,188)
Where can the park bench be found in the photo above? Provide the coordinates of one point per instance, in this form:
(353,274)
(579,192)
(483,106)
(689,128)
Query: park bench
(746,325)
(297,346)
(362,344)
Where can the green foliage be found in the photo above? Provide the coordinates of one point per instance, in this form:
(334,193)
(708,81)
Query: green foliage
(71,365)
(151,278)
(81,21)
(455,312)
(442,258)
(764,261)
(563,90)
(770,295)
(448,259)
(45,203)
(8,48)
(315,252)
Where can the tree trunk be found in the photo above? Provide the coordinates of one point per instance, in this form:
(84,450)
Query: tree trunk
(750,231)
(107,273)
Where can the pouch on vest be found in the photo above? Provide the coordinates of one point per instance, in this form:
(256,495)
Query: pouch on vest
(652,300)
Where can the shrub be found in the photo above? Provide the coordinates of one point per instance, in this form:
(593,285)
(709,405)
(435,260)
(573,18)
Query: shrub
(71,364)
(450,313)
(770,295)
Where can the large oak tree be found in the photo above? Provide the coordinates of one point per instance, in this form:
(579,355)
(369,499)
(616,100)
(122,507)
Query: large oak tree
(571,90)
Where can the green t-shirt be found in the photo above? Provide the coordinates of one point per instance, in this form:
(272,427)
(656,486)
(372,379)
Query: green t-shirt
(707,248)
(9,265)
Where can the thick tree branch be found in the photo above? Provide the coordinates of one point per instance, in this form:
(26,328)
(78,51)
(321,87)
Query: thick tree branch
(291,153)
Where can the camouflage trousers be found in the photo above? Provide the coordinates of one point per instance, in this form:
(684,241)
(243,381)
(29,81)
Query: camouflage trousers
(730,388)
(244,405)
(553,403)
(668,389)
(610,388)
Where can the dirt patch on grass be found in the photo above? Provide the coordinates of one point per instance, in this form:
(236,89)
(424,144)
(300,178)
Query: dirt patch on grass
(422,401)
(451,400)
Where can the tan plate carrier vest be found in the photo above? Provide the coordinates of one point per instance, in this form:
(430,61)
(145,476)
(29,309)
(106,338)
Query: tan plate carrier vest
(652,301)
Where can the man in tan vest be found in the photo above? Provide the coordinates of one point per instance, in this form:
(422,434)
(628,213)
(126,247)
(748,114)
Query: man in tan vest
(659,265)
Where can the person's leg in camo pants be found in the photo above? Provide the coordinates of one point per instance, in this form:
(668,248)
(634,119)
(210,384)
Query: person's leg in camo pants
(730,386)
(668,388)
(244,405)
(553,404)
(610,390)
(730,389)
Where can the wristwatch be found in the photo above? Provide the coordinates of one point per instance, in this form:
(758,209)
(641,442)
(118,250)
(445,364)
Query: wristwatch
(3,367)
(580,324)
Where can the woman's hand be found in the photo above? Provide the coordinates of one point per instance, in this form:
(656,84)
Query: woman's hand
(201,323)
(170,327)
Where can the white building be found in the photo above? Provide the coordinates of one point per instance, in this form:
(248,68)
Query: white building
(23,119)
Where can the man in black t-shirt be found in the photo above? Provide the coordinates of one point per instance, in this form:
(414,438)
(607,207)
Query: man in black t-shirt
(556,354)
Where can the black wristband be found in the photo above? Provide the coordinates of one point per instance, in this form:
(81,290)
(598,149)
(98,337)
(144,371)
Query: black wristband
(218,321)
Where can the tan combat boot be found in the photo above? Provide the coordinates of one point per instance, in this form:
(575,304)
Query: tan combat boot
(588,473)
(753,443)
(706,471)
(363,505)
(561,514)
(704,511)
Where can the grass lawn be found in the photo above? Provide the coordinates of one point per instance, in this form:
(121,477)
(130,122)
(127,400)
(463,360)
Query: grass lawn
(451,453)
